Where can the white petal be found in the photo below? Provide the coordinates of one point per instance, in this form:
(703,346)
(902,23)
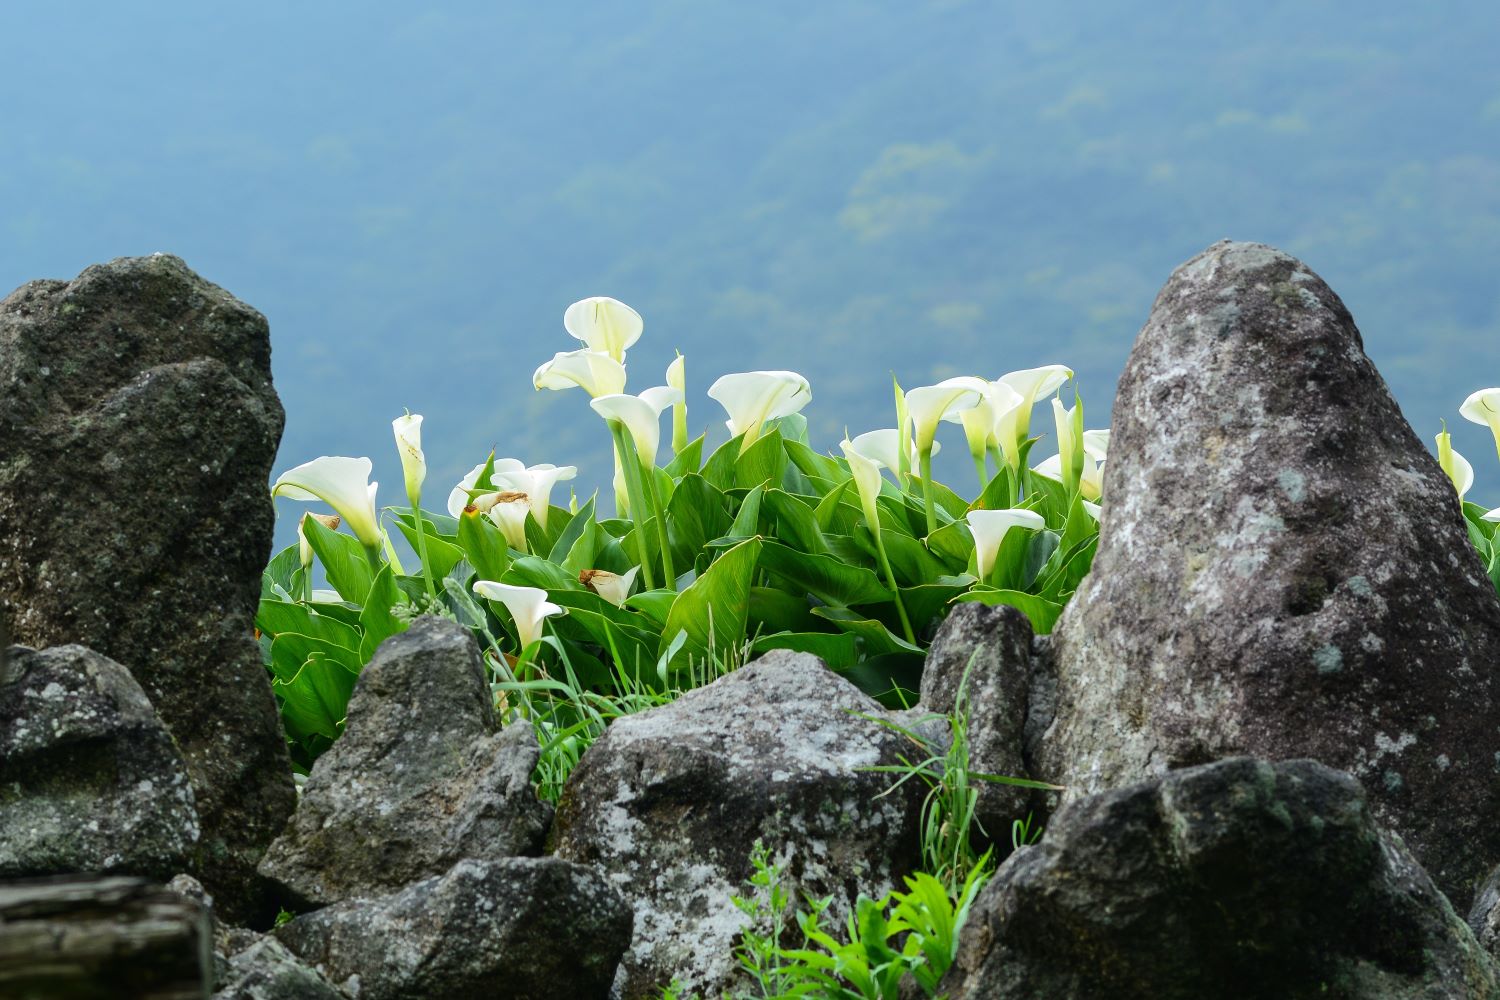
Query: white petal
(881,447)
(510,517)
(604,324)
(676,374)
(752,398)
(1034,383)
(459,498)
(1096,443)
(1463,475)
(408,431)
(640,418)
(527,605)
(595,373)
(341,483)
(1482,407)
(990,528)
(611,587)
(1493,515)
(866,474)
(930,404)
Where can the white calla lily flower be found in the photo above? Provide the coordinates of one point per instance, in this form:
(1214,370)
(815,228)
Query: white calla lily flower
(1096,444)
(677,379)
(408,431)
(536,481)
(528,606)
(990,528)
(594,372)
(304,547)
(459,498)
(929,405)
(1454,465)
(343,484)
(610,586)
(866,473)
(508,512)
(1032,384)
(1093,510)
(1090,485)
(641,416)
(1483,407)
(1493,515)
(883,448)
(604,324)
(752,398)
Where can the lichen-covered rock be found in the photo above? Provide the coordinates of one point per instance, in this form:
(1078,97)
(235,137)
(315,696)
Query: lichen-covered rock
(987,651)
(422,777)
(1241,878)
(90,780)
(266,970)
(669,803)
(522,928)
(1283,571)
(88,938)
(1484,915)
(137,429)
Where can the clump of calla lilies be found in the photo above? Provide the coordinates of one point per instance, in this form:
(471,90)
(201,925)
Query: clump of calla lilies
(702,559)
(1483,408)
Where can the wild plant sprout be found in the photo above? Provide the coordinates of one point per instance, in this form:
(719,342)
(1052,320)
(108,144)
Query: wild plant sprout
(703,559)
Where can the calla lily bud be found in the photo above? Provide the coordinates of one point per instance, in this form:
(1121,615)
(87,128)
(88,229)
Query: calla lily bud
(304,548)
(606,325)
(677,379)
(866,473)
(1031,385)
(595,373)
(1457,468)
(1483,407)
(641,416)
(408,431)
(343,484)
(528,607)
(990,528)
(610,586)
(509,514)
(1070,454)
(929,405)
(752,398)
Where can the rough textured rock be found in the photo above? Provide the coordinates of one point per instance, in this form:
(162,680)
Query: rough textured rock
(422,777)
(523,928)
(993,647)
(137,429)
(1283,571)
(266,970)
(100,939)
(90,780)
(670,802)
(1240,878)
(1484,915)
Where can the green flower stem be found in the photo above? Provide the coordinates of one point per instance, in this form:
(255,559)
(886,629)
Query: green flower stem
(661,525)
(926,467)
(630,465)
(416,513)
(372,554)
(890,576)
(984,473)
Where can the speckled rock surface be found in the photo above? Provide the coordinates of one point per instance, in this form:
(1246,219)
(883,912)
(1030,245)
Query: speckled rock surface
(422,777)
(521,928)
(993,646)
(137,429)
(1283,571)
(266,970)
(90,781)
(1241,878)
(669,803)
(1484,915)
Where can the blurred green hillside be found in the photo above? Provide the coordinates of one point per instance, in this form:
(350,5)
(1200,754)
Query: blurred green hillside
(847,189)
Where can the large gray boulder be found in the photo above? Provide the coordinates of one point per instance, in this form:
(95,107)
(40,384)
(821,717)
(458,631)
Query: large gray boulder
(985,654)
(670,801)
(88,938)
(265,970)
(422,777)
(137,429)
(521,928)
(1283,571)
(1241,878)
(90,780)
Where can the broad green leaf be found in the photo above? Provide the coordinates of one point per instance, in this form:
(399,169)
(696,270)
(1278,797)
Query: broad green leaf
(568,537)
(792,427)
(874,637)
(716,604)
(282,569)
(777,611)
(929,602)
(815,466)
(910,559)
(437,525)
(762,463)
(746,522)
(484,546)
(836,649)
(837,514)
(953,544)
(376,619)
(893,679)
(442,555)
(830,580)
(999,493)
(796,522)
(690,459)
(720,467)
(316,699)
(534,571)
(343,559)
(1043,613)
(697,514)
(275,618)
(289,651)
(947,502)
(654,604)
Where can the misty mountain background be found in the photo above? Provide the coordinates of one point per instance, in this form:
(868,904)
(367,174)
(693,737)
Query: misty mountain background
(846,189)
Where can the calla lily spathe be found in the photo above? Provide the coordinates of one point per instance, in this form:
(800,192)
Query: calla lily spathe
(408,430)
(866,473)
(1493,515)
(752,398)
(528,606)
(1096,444)
(677,379)
(343,484)
(641,416)
(508,513)
(1032,384)
(929,405)
(304,548)
(1454,465)
(883,447)
(594,372)
(604,324)
(510,474)
(1483,407)
(1090,483)
(990,528)
(613,587)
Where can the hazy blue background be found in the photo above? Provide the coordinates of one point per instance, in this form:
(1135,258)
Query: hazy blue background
(844,188)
